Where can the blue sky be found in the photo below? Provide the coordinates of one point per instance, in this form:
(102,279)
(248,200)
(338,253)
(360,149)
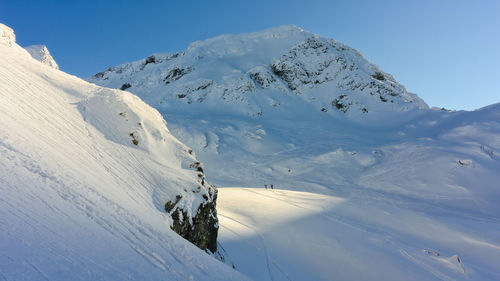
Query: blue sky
(445,51)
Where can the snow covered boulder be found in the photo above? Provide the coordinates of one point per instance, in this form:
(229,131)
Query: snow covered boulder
(42,54)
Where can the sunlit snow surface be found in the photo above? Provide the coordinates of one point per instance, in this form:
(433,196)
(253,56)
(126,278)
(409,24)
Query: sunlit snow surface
(289,235)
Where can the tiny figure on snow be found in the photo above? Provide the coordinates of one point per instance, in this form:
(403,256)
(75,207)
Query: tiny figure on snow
(272,186)
(265,185)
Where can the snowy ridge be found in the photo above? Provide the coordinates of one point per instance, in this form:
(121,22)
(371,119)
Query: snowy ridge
(42,54)
(85,175)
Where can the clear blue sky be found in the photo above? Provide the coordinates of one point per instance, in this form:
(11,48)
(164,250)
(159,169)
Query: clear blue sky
(446,51)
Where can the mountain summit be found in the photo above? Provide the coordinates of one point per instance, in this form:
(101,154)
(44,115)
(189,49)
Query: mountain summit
(42,54)
(257,73)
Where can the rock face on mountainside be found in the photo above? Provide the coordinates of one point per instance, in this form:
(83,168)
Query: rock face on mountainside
(202,227)
(42,54)
(259,72)
(90,173)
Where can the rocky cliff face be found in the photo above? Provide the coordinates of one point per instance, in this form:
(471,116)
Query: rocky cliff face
(200,228)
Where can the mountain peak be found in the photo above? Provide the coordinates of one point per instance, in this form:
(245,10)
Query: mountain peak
(42,54)
(274,70)
(7,36)
(277,38)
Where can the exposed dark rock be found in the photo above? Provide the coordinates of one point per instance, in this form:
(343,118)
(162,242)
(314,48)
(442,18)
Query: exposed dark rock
(338,105)
(125,86)
(176,73)
(264,80)
(134,139)
(379,76)
(150,59)
(203,86)
(203,230)
(99,75)
(169,206)
(342,103)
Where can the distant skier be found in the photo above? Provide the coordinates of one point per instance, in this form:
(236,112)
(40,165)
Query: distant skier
(272,186)
(265,185)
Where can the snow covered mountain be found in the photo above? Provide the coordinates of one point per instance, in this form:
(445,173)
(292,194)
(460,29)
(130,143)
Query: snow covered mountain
(42,54)
(263,72)
(388,189)
(92,181)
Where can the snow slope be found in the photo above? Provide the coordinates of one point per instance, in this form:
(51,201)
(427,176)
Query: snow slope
(84,176)
(418,187)
(42,54)
(290,235)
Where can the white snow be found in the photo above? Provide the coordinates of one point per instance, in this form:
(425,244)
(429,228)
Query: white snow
(398,179)
(399,192)
(289,235)
(42,54)
(7,36)
(79,200)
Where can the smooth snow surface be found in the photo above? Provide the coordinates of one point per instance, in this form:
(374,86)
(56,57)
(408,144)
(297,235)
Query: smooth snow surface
(78,199)
(289,235)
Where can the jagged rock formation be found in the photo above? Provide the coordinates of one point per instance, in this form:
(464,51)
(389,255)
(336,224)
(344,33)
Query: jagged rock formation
(200,228)
(42,54)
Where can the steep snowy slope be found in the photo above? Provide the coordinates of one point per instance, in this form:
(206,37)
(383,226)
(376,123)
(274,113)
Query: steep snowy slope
(42,54)
(85,174)
(418,188)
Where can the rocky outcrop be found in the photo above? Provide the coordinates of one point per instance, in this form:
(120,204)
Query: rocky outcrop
(7,36)
(200,228)
(42,54)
